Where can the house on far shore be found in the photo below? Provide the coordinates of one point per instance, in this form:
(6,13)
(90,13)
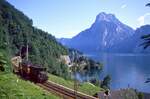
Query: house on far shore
(66,60)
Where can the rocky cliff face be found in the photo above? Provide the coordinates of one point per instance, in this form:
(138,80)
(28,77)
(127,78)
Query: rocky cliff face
(104,35)
(108,34)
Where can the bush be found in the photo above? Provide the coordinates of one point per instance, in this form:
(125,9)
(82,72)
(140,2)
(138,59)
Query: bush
(106,82)
(140,95)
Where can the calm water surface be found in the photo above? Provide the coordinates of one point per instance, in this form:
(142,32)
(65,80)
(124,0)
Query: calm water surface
(126,70)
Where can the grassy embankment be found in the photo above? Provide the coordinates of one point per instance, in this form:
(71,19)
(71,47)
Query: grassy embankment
(11,87)
(86,87)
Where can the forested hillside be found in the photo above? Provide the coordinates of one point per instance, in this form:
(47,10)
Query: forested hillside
(16,31)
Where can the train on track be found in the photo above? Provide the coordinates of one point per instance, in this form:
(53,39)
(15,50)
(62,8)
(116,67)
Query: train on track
(29,71)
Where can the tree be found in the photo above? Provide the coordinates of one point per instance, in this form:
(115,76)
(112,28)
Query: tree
(148,4)
(148,80)
(106,82)
(2,62)
(146,38)
(140,95)
(146,44)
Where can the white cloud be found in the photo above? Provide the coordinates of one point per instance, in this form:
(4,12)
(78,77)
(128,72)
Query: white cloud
(141,19)
(123,6)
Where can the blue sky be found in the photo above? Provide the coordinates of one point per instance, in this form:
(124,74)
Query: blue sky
(66,18)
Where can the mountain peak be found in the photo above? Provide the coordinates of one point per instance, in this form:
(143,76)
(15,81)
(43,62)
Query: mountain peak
(106,17)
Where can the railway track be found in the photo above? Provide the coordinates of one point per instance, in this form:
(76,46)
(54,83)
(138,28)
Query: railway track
(60,90)
(65,93)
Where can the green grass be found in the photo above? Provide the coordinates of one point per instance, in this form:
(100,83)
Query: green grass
(86,87)
(11,87)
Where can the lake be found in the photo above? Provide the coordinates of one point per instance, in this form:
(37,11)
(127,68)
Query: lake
(126,70)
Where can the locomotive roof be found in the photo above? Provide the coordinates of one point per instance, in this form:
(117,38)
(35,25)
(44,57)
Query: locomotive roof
(29,64)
